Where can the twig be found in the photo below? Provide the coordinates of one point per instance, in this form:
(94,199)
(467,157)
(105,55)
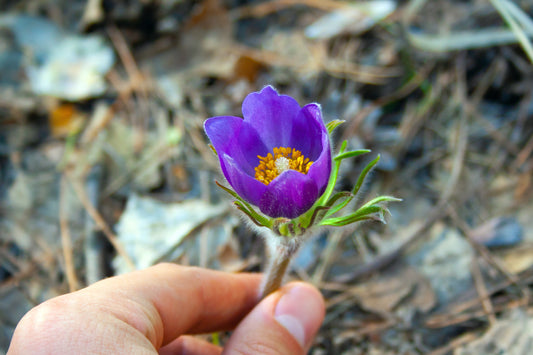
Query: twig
(524,154)
(496,134)
(28,271)
(136,78)
(491,259)
(455,343)
(482,291)
(101,117)
(94,257)
(269,7)
(455,315)
(315,63)
(100,222)
(159,153)
(446,320)
(137,82)
(403,91)
(329,253)
(382,261)
(66,242)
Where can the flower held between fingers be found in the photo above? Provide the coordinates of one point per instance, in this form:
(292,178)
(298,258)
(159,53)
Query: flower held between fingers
(278,158)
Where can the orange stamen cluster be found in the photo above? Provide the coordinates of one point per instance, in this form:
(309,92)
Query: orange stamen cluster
(284,158)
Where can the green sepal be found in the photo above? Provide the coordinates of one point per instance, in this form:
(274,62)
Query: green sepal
(247,208)
(247,212)
(333,124)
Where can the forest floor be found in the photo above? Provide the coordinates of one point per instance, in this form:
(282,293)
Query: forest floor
(105,168)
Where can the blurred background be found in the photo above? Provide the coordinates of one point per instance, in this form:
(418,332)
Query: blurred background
(105,168)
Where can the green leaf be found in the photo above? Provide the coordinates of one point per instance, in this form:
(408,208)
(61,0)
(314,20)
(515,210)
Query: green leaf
(340,206)
(333,124)
(344,144)
(351,154)
(336,197)
(363,175)
(361,214)
(382,199)
(341,223)
(356,188)
(333,178)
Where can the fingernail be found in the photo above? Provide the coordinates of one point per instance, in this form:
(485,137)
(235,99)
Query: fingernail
(291,312)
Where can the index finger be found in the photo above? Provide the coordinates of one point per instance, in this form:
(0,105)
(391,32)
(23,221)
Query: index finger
(168,300)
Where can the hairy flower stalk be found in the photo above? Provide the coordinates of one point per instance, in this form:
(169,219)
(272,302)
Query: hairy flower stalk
(280,251)
(278,159)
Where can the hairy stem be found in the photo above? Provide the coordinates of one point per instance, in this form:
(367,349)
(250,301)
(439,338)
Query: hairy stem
(274,276)
(280,249)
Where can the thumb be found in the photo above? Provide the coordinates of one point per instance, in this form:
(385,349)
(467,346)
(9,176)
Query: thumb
(285,322)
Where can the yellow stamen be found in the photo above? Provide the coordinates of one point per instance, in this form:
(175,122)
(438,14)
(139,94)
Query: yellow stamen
(284,158)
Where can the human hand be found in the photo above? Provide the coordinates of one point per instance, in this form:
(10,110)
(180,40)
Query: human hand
(150,311)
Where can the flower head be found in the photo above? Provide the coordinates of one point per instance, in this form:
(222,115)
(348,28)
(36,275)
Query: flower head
(278,157)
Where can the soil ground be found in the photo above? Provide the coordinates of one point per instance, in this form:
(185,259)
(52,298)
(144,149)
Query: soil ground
(102,107)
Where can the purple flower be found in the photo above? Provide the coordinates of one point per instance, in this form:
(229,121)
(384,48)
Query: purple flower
(278,157)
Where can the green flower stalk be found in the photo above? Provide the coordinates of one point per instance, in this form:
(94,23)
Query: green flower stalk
(278,159)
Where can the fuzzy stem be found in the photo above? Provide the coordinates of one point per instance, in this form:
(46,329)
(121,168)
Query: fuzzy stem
(276,272)
(280,251)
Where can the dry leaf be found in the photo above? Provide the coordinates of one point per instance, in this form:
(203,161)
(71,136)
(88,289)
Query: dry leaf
(388,292)
(512,335)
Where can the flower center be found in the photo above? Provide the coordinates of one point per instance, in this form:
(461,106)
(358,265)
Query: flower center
(282,164)
(283,159)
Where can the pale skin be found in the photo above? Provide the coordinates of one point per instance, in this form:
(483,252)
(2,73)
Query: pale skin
(158,309)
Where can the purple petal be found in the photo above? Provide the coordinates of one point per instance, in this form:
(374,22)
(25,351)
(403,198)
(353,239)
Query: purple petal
(221,129)
(271,115)
(251,146)
(307,130)
(320,170)
(250,189)
(236,138)
(289,195)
